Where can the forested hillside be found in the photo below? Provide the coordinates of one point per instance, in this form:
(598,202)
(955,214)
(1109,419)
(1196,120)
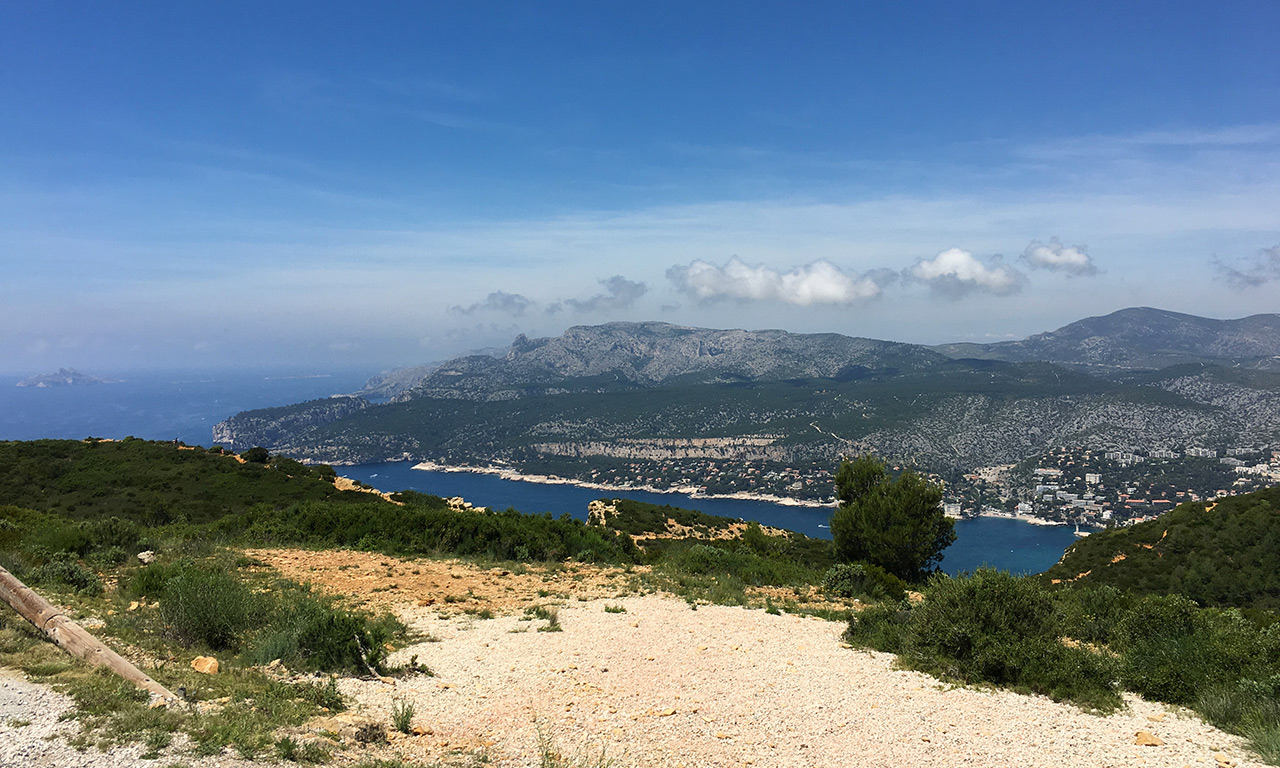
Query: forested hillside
(1224,553)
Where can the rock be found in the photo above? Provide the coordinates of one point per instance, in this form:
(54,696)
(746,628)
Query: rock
(1146,739)
(205,665)
(133,605)
(418,730)
(351,727)
(147,558)
(1156,718)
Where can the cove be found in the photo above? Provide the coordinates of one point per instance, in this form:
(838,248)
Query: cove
(1009,545)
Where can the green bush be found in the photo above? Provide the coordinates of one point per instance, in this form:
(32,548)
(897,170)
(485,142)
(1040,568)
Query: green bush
(991,627)
(310,632)
(209,606)
(65,568)
(863,580)
(1092,614)
(1172,650)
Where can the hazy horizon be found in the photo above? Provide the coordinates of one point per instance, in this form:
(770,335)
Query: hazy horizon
(312,187)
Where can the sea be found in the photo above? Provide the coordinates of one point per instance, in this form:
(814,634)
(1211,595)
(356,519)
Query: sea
(185,405)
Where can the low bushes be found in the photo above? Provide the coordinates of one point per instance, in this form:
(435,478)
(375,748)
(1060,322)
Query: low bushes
(1085,645)
(210,606)
(863,580)
(990,627)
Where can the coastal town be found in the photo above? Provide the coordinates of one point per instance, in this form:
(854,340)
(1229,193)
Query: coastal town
(1088,488)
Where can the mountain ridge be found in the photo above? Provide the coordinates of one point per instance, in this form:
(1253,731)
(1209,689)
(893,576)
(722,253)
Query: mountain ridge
(1141,338)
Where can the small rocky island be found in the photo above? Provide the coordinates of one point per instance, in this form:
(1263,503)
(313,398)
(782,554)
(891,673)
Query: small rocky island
(64,377)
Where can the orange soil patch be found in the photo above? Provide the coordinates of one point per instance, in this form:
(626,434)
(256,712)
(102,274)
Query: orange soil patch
(450,586)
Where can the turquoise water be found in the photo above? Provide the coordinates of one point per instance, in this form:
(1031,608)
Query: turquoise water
(1007,544)
(185,405)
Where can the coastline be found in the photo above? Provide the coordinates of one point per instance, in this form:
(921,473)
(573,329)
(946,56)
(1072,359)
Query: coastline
(506,473)
(1019,518)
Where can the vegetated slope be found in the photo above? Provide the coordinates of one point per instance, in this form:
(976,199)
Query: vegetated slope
(1141,337)
(943,414)
(1220,553)
(152,483)
(663,529)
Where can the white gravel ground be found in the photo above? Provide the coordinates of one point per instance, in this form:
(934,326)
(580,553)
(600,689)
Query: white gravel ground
(664,685)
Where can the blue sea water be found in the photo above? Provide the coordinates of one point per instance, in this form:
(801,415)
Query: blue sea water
(185,405)
(158,405)
(1010,545)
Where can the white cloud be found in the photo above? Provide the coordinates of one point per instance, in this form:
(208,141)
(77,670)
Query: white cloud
(818,283)
(957,272)
(1251,273)
(1073,260)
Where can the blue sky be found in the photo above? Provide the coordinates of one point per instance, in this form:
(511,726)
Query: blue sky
(309,184)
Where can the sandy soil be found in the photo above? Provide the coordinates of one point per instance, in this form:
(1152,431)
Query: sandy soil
(664,684)
(656,682)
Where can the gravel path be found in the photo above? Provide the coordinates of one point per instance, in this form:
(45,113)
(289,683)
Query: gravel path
(664,685)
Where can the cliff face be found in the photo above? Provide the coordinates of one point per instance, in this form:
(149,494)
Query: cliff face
(274,427)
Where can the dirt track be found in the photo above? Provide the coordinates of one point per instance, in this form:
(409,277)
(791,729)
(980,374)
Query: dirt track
(662,684)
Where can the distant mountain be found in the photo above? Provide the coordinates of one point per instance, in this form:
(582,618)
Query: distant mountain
(64,377)
(611,395)
(1142,338)
(629,355)
(392,383)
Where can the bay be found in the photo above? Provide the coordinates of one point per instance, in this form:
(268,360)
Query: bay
(1011,545)
(184,405)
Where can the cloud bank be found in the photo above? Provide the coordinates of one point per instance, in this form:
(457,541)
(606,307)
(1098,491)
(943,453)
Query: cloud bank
(956,272)
(1250,273)
(820,282)
(1073,261)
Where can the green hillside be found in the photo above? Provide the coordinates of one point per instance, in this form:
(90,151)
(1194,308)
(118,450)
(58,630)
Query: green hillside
(1221,553)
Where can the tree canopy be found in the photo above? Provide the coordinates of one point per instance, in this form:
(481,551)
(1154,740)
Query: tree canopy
(895,523)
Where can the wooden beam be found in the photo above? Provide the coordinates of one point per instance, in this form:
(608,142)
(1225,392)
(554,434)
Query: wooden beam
(72,638)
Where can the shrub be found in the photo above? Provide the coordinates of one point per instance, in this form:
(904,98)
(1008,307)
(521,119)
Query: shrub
(863,580)
(210,607)
(1092,614)
(402,716)
(991,627)
(311,632)
(256,455)
(64,568)
(1172,650)
(114,532)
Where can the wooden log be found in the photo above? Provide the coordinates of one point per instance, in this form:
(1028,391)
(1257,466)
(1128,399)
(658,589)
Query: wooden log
(72,638)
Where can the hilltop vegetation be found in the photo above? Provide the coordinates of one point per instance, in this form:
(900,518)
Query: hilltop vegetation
(1221,553)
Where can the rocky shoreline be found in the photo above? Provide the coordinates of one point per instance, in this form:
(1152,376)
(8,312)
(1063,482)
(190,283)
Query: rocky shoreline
(507,473)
